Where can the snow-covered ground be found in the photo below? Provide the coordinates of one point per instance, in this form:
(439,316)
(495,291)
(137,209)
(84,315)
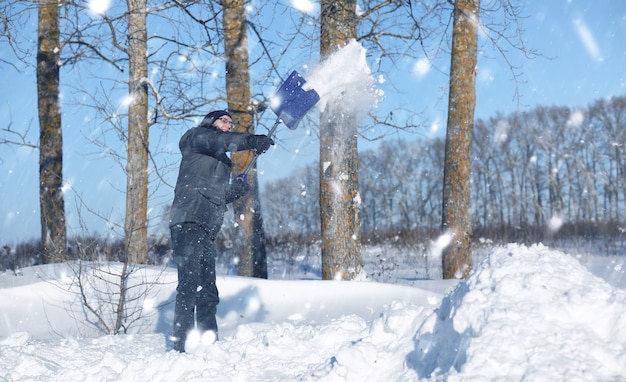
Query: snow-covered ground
(525,313)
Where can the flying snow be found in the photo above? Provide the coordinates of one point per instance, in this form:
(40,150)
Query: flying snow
(588,40)
(576,119)
(345,77)
(99,7)
(422,67)
(304,6)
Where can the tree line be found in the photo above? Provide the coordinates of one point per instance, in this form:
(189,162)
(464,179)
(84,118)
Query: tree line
(535,174)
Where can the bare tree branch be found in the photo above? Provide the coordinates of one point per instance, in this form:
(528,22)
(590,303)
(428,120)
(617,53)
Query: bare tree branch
(20,138)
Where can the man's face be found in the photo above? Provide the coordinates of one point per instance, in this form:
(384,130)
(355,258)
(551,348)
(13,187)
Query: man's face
(223,123)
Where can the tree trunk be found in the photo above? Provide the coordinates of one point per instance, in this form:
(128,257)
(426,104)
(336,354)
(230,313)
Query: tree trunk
(136,219)
(250,233)
(339,182)
(53,230)
(457,257)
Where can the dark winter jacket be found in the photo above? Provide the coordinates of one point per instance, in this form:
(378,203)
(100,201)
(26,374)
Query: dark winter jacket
(203,187)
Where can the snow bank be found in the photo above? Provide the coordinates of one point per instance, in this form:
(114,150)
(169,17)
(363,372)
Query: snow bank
(526,313)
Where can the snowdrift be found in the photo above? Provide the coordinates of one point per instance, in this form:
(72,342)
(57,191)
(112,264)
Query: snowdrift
(525,313)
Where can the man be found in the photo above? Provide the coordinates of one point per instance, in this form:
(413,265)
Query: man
(202,191)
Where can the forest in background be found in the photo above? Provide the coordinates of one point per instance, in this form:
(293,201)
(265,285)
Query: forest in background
(547,171)
(546,175)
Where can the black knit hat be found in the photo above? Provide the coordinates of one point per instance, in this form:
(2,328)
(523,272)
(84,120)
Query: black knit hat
(212,117)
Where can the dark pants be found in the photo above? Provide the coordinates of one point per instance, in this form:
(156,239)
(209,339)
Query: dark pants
(194,253)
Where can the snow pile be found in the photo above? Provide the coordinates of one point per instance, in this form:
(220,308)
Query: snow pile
(525,313)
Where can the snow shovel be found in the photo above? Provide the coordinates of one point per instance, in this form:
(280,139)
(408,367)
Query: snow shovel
(290,104)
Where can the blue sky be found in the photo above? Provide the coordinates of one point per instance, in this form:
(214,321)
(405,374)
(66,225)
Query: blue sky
(583,58)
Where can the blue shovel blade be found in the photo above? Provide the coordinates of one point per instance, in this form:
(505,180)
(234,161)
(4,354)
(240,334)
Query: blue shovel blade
(291,102)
